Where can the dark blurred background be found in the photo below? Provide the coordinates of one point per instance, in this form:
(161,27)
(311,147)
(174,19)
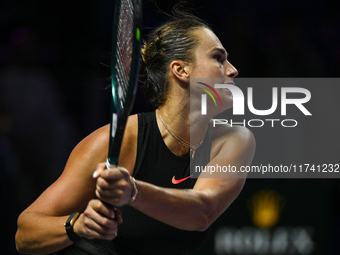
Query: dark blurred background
(53,74)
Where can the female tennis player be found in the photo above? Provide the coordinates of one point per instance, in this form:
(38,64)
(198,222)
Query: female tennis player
(164,212)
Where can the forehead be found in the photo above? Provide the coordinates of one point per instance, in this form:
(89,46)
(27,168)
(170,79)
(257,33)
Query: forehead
(207,40)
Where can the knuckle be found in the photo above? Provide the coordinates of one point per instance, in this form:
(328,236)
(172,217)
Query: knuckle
(98,204)
(86,213)
(106,221)
(120,193)
(124,185)
(88,233)
(93,202)
(100,182)
(87,223)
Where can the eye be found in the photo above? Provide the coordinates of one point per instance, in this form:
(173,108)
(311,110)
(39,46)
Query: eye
(219,58)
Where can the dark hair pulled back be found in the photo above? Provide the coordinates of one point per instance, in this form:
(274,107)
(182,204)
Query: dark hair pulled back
(174,40)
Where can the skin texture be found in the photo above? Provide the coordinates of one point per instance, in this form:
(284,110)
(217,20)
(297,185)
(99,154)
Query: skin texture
(41,225)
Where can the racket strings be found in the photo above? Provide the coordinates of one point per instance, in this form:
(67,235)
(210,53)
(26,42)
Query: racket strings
(124,48)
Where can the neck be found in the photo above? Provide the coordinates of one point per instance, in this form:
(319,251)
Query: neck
(182,120)
(182,115)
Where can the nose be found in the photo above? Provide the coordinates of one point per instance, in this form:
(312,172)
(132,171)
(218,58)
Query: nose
(231,71)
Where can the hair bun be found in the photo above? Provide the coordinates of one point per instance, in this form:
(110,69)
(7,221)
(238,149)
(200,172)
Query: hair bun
(173,40)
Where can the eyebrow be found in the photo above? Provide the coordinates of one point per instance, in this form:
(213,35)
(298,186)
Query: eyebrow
(223,51)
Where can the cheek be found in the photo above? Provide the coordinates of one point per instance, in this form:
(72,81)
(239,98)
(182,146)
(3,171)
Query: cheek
(198,71)
(215,71)
(205,71)
(205,68)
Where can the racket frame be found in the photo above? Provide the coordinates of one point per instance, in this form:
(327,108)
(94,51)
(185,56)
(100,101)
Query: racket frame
(120,110)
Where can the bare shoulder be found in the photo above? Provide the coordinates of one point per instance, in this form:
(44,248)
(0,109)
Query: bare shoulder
(75,186)
(219,130)
(89,152)
(98,141)
(94,147)
(237,138)
(95,143)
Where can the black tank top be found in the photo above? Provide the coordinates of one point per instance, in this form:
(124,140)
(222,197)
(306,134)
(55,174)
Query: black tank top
(156,164)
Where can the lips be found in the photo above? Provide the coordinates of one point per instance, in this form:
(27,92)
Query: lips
(231,83)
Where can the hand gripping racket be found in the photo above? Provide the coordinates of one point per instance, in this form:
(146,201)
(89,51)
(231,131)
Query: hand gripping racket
(126,41)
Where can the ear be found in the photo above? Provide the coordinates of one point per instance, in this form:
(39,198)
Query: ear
(180,70)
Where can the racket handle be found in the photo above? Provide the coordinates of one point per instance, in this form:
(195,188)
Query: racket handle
(109,165)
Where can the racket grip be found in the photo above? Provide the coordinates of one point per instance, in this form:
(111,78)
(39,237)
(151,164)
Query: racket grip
(109,165)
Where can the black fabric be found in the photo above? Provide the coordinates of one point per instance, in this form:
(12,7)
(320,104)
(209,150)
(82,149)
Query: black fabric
(89,247)
(140,234)
(156,164)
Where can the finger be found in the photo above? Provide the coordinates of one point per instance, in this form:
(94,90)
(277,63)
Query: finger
(118,217)
(111,185)
(102,229)
(112,174)
(95,231)
(115,173)
(100,168)
(116,190)
(101,208)
(100,171)
(107,192)
(113,200)
(92,229)
(123,170)
(95,222)
(104,183)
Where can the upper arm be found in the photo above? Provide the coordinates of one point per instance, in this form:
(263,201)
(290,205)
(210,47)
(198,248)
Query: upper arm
(128,150)
(235,148)
(75,187)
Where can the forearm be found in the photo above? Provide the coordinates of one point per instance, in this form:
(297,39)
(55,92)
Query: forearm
(192,209)
(183,209)
(41,234)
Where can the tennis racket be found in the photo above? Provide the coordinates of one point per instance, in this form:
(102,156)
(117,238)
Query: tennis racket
(126,42)
(124,75)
